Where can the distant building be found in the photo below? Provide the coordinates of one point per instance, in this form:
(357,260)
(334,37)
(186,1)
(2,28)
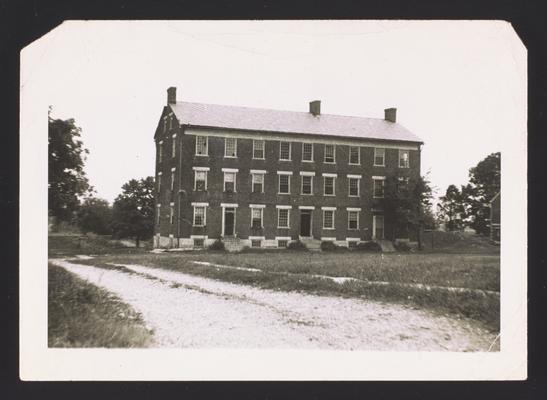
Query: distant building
(262,178)
(495,220)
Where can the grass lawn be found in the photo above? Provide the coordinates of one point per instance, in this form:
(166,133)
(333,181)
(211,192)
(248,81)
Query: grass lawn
(469,271)
(83,315)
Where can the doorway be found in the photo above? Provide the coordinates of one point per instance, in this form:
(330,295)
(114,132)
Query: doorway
(229,221)
(305,223)
(378,227)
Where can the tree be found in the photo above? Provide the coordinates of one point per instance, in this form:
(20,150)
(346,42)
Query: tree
(133,210)
(484,184)
(408,201)
(94,215)
(66,176)
(451,208)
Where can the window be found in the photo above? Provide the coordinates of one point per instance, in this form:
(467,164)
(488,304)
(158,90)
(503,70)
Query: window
(353,220)
(170,122)
(256,243)
(258,149)
(199,215)
(402,183)
(285,151)
(258,182)
(404,159)
(171,212)
(354,155)
(160,150)
(165,124)
(172,178)
(200,243)
(378,190)
(353,185)
(158,211)
(159,182)
(284,184)
(329,153)
(307,184)
(283,217)
(379,157)
(229,181)
(307,151)
(200,180)
(282,243)
(174,146)
(328,219)
(328,185)
(201,146)
(230,147)
(256,217)
(352,244)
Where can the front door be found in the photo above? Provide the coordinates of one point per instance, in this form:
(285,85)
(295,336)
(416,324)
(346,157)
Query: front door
(229,221)
(305,223)
(378,226)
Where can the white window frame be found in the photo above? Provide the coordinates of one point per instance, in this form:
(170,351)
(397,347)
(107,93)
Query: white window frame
(160,150)
(378,179)
(358,155)
(333,176)
(377,150)
(206,138)
(357,212)
(329,209)
(290,150)
(257,207)
(333,154)
(171,213)
(302,177)
(407,164)
(312,151)
(200,205)
(255,141)
(200,169)
(230,171)
(174,145)
(159,180)
(288,174)
(226,147)
(288,208)
(358,179)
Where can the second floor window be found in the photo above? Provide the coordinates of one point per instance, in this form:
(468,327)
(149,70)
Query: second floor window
(200,180)
(256,217)
(353,185)
(160,150)
(201,145)
(354,155)
(285,151)
(379,157)
(378,188)
(284,184)
(258,149)
(307,184)
(258,183)
(329,153)
(230,147)
(159,181)
(404,159)
(283,217)
(173,179)
(329,185)
(402,183)
(174,146)
(307,151)
(229,181)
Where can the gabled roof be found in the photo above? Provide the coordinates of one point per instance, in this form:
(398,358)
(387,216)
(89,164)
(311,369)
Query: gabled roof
(259,119)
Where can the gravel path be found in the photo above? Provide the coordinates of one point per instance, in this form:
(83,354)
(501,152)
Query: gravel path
(194,312)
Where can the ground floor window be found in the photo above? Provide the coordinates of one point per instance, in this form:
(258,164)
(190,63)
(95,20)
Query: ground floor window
(328,219)
(283,218)
(256,217)
(199,216)
(353,219)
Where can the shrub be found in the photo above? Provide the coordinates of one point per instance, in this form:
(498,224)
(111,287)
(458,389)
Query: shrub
(297,245)
(327,245)
(402,246)
(217,245)
(369,246)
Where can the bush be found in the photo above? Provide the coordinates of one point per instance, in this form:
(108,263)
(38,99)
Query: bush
(402,246)
(369,246)
(297,245)
(217,245)
(327,245)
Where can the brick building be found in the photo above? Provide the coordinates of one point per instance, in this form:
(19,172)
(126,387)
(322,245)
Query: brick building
(263,178)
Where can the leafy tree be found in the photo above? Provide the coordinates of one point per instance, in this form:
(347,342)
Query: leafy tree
(67,179)
(451,208)
(94,215)
(133,210)
(408,201)
(484,184)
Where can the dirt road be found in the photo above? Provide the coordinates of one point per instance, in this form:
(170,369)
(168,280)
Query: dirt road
(187,311)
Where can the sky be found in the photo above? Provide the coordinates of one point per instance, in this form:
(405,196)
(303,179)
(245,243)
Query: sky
(459,85)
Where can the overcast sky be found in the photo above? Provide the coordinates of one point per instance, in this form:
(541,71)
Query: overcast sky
(457,85)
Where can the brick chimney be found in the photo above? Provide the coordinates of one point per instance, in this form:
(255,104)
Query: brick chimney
(315,107)
(390,114)
(171,95)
